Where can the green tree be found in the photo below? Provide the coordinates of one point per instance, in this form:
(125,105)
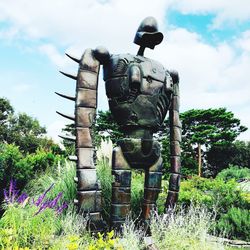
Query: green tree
(22,130)
(106,127)
(26,132)
(206,128)
(221,156)
(6,111)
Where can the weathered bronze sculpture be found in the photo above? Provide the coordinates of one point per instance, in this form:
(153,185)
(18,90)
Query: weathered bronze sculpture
(140,92)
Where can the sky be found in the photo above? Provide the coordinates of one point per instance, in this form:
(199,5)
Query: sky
(207,42)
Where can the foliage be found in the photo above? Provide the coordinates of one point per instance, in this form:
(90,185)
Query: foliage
(9,157)
(15,165)
(105,243)
(6,110)
(105,126)
(105,177)
(209,127)
(218,197)
(69,130)
(22,130)
(212,193)
(63,178)
(186,229)
(29,222)
(234,172)
(222,156)
(20,228)
(235,224)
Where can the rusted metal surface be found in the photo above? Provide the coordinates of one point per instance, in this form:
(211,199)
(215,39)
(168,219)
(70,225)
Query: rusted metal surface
(140,92)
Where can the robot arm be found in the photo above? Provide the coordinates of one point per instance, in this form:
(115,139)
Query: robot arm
(88,189)
(175,150)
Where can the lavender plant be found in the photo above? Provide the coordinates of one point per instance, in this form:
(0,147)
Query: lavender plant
(11,196)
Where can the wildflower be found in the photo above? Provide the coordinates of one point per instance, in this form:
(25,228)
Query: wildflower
(62,207)
(22,198)
(11,195)
(54,202)
(41,197)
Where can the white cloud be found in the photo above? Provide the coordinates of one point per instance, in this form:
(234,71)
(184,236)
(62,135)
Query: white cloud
(211,75)
(88,22)
(244,41)
(226,11)
(55,128)
(55,56)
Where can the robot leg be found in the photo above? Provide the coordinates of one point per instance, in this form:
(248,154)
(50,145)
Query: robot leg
(121,185)
(152,188)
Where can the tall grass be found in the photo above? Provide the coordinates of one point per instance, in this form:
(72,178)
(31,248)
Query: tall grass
(186,229)
(63,179)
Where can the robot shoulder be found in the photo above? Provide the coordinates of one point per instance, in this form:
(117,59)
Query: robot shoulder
(174,75)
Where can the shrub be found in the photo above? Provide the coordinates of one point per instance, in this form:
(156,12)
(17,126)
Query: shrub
(214,193)
(235,224)
(39,161)
(234,172)
(222,198)
(9,157)
(22,168)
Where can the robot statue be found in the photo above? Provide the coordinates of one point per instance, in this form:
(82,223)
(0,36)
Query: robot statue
(140,91)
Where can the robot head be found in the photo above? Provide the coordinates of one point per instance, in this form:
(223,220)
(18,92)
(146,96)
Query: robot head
(147,34)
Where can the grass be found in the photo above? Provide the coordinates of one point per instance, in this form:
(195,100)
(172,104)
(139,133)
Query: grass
(63,179)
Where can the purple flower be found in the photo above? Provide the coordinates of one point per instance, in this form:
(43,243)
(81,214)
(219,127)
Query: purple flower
(42,207)
(11,195)
(41,197)
(62,207)
(22,198)
(54,202)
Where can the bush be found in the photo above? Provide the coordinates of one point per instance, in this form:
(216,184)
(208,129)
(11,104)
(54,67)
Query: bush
(22,168)
(219,197)
(214,193)
(235,224)
(234,172)
(9,157)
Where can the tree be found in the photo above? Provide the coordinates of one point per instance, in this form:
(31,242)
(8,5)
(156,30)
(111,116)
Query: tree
(21,129)
(220,157)
(206,128)
(106,127)
(6,110)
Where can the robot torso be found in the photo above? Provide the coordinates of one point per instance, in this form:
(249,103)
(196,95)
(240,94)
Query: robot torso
(138,90)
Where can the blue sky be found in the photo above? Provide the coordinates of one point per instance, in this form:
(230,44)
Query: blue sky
(208,42)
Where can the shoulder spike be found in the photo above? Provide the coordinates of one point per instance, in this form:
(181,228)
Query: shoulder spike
(66,116)
(69,75)
(69,138)
(72,98)
(72,157)
(73,58)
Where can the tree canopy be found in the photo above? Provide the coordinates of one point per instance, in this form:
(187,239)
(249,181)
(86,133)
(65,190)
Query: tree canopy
(21,129)
(210,126)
